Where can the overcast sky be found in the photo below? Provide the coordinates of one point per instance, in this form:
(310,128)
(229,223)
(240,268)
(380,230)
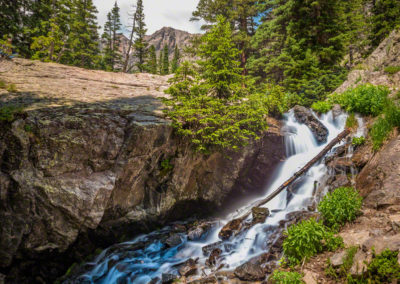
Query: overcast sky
(158,13)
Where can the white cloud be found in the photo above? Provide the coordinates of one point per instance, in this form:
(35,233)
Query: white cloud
(158,13)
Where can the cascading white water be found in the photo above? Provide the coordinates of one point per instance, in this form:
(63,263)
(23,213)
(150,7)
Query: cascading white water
(141,265)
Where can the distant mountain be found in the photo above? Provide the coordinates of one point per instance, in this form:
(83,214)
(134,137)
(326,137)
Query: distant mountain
(170,37)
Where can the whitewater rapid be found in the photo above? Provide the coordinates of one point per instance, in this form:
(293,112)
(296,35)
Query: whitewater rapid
(140,264)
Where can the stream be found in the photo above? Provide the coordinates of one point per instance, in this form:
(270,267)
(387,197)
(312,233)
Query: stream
(148,258)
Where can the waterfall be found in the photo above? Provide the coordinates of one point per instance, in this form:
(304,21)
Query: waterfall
(147,257)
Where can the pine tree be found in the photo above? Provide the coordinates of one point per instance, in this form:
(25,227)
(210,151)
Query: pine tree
(112,56)
(83,39)
(175,60)
(160,63)
(151,64)
(165,62)
(385,17)
(140,32)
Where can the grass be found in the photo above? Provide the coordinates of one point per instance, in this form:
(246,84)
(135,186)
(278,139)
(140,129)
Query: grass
(391,70)
(351,121)
(358,141)
(286,277)
(12,88)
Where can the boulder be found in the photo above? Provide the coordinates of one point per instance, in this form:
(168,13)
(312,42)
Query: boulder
(260,214)
(257,268)
(310,277)
(336,260)
(304,115)
(173,240)
(188,268)
(360,261)
(230,229)
(212,259)
(168,278)
(380,243)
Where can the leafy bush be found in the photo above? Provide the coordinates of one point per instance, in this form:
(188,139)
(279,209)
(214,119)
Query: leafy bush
(379,132)
(384,268)
(321,106)
(351,121)
(364,99)
(341,206)
(12,88)
(358,141)
(7,113)
(286,277)
(307,239)
(392,69)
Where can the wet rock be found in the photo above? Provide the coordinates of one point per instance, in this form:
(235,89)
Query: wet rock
(209,248)
(230,229)
(212,259)
(336,260)
(260,214)
(168,278)
(154,280)
(339,181)
(304,115)
(199,231)
(206,280)
(257,268)
(173,240)
(336,111)
(341,165)
(188,268)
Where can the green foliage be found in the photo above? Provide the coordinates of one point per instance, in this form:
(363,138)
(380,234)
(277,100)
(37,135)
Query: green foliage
(151,64)
(140,43)
(12,88)
(5,45)
(341,206)
(364,99)
(384,268)
(321,106)
(8,113)
(175,60)
(391,70)
(307,239)
(3,84)
(166,165)
(165,62)
(28,128)
(351,121)
(379,132)
(358,141)
(385,17)
(343,270)
(111,53)
(286,277)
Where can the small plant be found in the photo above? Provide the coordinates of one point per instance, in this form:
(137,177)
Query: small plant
(343,270)
(28,128)
(358,79)
(8,113)
(364,99)
(358,141)
(379,132)
(286,277)
(384,268)
(12,88)
(307,239)
(341,206)
(321,106)
(2,84)
(166,165)
(351,121)
(391,70)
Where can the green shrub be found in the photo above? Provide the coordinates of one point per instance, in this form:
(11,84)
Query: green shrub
(379,132)
(321,106)
(343,270)
(286,277)
(307,239)
(351,121)
(166,165)
(358,141)
(7,113)
(2,84)
(341,206)
(12,88)
(391,70)
(364,99)
(384,268)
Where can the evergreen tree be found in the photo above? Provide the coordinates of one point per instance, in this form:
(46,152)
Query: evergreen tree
(385,17)
(165,62)
(151,64)
(160,63)
(175,60)
(140,31)
(112,56)
(83,38)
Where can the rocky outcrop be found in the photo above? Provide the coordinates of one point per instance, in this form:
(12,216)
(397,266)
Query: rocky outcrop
(304,115)
(82,170)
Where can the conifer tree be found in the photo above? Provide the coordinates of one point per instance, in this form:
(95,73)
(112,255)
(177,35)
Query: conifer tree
(165,62)
(160,63)
(385,17)
(112,56)
(83,38)
(140,32)
(175,60)
(151,64)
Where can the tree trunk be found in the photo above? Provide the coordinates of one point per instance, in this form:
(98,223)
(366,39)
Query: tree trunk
(232,226)
(130,45)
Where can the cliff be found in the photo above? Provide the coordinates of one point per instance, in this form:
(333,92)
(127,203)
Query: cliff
(90,160)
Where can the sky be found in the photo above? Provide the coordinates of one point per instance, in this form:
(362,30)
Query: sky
(158,13)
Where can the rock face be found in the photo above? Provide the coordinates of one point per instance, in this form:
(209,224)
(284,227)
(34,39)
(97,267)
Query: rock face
(304,115)
(87,165)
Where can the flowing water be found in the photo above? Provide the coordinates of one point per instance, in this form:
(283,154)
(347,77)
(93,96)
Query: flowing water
(147,257)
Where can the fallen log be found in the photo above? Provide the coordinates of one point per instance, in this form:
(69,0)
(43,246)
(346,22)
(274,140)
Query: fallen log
(233,226)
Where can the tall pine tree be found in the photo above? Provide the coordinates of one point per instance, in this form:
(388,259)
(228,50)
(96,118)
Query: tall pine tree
(140,32)
(151,64)
(112,56)
(165,62)
(160,63)
(175,60)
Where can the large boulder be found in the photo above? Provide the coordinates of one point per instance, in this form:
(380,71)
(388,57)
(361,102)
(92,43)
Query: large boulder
(304,115)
